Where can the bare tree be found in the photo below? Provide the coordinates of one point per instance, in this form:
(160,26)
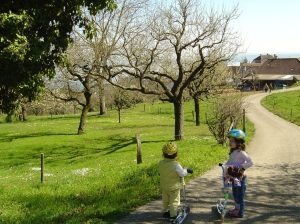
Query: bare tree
(122,100)
(210,84)
(81,76)
(225,111)
(75,82)
(109,27)
(174,47)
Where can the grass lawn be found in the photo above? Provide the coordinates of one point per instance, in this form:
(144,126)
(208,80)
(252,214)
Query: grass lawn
(94,177)
(284,104)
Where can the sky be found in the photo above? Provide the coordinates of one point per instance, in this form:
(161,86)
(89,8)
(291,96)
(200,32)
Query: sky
(267,26)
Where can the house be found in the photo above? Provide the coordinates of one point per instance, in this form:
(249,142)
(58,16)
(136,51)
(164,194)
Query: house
(271,69)
(262,58)
(247,69)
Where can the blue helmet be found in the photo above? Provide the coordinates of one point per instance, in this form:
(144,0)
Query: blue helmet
(236,133)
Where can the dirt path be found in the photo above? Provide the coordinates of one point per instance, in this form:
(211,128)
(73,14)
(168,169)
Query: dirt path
(273,181)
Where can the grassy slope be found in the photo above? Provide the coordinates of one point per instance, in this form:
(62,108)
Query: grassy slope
(284,104)
(94,177)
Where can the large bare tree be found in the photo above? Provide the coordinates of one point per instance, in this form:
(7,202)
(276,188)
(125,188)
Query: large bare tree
(173,47)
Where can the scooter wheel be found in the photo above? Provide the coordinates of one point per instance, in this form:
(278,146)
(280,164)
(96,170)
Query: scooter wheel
(187,209)
(222,217)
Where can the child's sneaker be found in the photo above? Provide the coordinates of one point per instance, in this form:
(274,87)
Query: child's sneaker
(172,219)
(230,211)
(166,215)
(235,213)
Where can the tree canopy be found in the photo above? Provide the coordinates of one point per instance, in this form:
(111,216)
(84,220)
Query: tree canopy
(33,36)
(175,46)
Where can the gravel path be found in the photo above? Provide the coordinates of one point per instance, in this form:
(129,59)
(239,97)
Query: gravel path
(272,194)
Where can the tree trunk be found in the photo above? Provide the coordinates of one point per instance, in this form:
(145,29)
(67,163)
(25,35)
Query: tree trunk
(119,112)
(24,113)
(84,112)
(179,120)
(102,105)
(74,107)
(197,111)
(8,118)
(83,116)
(102,97)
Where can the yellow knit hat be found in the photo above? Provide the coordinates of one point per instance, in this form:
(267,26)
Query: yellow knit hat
(170,148)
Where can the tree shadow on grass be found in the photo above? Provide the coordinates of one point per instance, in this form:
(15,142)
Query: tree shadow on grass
(105,204)
(122,143)
(272,197)
(9,138)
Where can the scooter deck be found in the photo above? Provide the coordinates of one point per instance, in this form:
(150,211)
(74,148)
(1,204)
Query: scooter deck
(181,217)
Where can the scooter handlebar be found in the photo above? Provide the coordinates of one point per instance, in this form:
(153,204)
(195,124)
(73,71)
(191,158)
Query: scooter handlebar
(189,171)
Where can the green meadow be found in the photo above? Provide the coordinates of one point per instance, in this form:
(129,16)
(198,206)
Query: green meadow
(94,177)
(284,104)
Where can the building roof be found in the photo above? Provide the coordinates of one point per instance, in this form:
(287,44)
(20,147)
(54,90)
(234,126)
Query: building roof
(274,77)
(251,64)
(262,58)
(248,69)
(268,67)
(283,66)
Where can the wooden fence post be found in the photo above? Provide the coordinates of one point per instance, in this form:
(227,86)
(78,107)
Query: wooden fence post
(42,167)
(231,126)
(139,149)
(244,120)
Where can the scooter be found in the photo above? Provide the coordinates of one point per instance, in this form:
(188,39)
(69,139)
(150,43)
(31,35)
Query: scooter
(221,205)
(184,211)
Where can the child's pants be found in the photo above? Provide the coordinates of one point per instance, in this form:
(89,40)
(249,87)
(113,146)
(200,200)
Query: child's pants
(239,196)
(171,201)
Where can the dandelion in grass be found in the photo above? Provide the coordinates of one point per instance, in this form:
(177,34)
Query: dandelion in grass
(48,175)
(195,138)
(36,168)
(81,172)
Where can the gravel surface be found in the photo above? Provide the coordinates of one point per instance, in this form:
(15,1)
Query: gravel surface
(272,194)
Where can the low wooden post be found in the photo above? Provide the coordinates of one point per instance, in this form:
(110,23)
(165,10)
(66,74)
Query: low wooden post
(42,167)
(244,120)
(193,115)
(231,126)
(139,149)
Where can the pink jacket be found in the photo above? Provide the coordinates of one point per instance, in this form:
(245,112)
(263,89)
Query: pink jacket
(241,158)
